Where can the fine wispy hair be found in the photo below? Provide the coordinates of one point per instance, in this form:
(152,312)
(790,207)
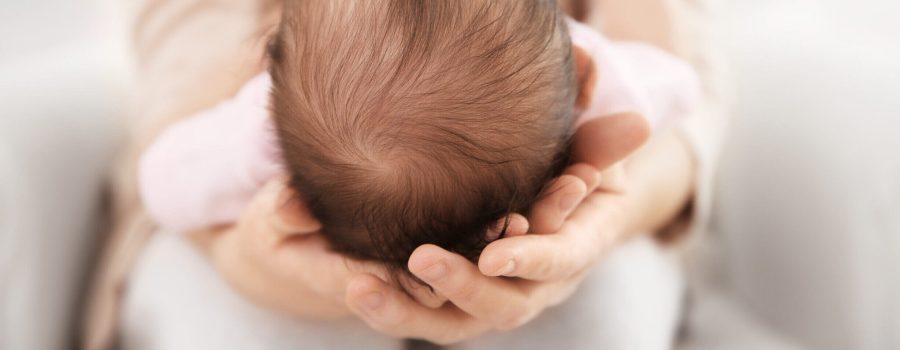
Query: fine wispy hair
(405,122)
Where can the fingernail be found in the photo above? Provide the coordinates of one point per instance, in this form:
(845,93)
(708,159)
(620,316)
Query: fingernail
(373,300)
(435,272)
(507,269)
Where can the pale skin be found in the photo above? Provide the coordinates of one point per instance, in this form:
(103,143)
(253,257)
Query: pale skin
(275,258)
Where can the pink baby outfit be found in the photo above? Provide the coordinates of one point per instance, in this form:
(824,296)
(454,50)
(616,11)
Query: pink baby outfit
(204,170)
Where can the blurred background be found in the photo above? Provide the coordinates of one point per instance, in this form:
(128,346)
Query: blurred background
(806,225)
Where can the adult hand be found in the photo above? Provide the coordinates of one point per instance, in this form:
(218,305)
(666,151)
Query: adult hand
(275,257)
(582,198)
(571,228)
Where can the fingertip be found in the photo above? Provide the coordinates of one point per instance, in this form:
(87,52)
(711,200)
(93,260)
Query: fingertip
(518,225)
(288,213)
(423,257)
(642,130)
(498,259)
(366,294)
(569,184)
(291,217)
(561,197)
(572,195)
(362,284)
(512,225)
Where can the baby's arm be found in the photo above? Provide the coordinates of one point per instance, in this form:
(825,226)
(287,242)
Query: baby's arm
(627,80)
(632,77)
(202,171)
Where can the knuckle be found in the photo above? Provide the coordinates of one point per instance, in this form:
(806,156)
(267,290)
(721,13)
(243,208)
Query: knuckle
(544,266)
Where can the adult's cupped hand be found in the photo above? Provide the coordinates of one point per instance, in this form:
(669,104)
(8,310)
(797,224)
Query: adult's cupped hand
(548,254)
(275,258)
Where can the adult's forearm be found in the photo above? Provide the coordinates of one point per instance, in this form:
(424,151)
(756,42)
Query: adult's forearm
(661,175)
(659,184)
(182,68)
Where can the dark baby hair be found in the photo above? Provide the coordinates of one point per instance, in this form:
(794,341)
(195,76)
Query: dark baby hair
(406,122)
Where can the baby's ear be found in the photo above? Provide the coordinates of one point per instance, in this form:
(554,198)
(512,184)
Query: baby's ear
(585,78)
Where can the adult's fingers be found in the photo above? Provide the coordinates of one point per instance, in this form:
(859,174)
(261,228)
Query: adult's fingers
(500,302)
(275,213)
(604,141)
(290,216)
(561,197)
(275,236)
(515,224)
(393,313)
(422,294)
(587,173)
(268,275)
(539,257)
(579,242)
(286,214)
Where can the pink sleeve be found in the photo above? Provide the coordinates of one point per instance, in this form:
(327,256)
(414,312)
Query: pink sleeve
(205,169)
(636,78)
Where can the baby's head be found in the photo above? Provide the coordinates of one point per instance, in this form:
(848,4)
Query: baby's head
(406,122)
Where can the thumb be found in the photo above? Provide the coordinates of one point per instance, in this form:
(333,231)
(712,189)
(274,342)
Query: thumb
(604,141)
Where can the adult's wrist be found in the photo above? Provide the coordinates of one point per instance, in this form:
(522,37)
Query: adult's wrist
(660,184)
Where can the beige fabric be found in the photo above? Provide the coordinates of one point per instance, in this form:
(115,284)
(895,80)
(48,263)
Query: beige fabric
(193,53)
(695,40)
(705,131)
(686,29)
(189,55)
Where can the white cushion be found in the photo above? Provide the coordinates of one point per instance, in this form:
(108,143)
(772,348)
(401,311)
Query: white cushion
(808,199)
